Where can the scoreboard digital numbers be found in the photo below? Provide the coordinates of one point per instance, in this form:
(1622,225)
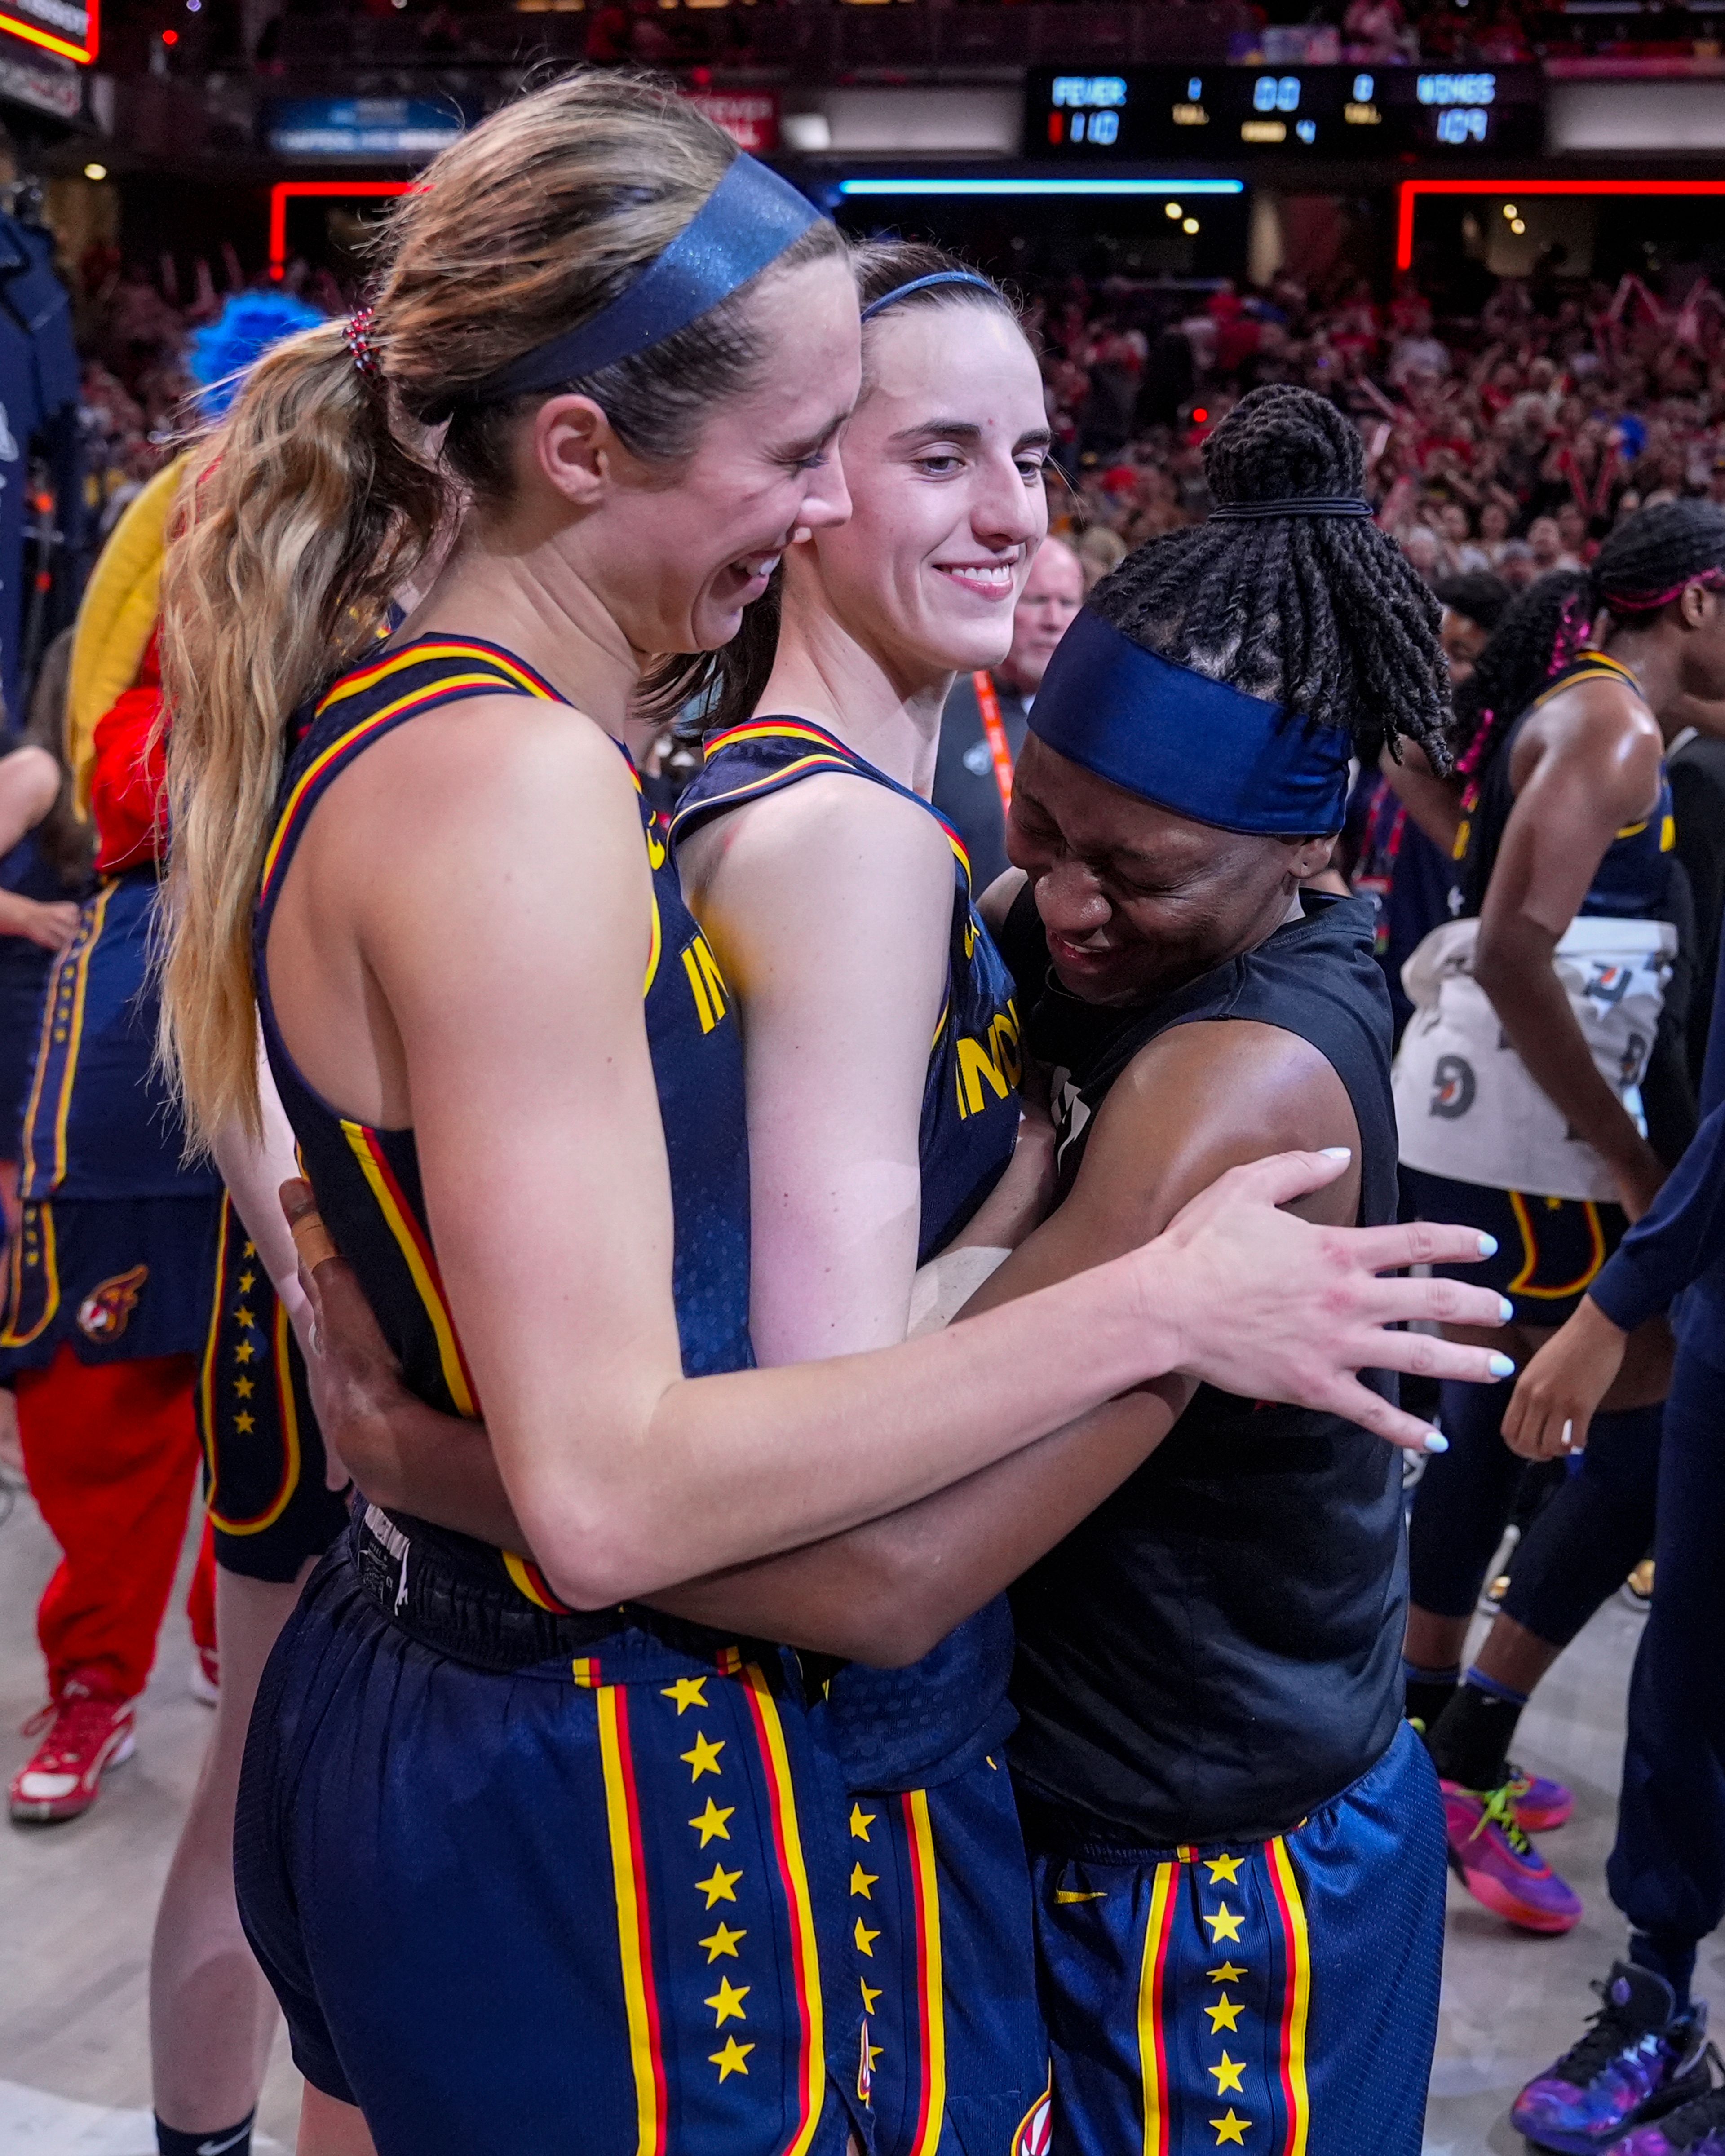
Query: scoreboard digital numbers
(1329,111)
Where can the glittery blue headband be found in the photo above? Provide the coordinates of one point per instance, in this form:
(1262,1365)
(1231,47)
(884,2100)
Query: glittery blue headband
(1190,744)
(747,221)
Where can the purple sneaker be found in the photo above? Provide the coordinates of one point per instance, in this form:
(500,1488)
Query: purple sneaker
(1493,1857)
(1639,2060)
(1696,2128)
(1541,1804)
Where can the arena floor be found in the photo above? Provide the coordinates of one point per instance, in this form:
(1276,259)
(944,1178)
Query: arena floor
(78,1903)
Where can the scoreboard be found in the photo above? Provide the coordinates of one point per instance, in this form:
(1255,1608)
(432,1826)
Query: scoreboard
(1221,112)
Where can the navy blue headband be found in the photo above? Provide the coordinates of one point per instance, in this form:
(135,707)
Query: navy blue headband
(1294,504)
(747,221)
(923,283)
(1187,743)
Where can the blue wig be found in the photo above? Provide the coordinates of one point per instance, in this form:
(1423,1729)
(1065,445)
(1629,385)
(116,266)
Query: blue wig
(248,324)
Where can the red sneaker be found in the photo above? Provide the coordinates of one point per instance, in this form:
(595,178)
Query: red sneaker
(88,1731)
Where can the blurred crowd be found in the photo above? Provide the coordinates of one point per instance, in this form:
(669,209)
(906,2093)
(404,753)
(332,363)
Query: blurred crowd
(135,331)
(1510,440)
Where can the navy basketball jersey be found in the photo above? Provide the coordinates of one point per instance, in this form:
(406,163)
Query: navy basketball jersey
(1632,881)
(970,1106)
(367,1180)
(900,1728)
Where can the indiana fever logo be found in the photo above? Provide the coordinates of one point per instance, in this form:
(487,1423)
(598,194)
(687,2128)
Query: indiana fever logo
(106,1311)
(1036,2134)
(1453,1086)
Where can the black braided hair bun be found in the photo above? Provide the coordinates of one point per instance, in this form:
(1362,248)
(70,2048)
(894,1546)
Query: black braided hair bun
(1323,613)
(1280,441)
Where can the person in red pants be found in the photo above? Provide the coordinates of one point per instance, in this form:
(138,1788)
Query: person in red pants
(107,1297)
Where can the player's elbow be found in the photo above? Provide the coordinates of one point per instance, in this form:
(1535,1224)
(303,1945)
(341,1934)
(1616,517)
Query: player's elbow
(594,1555)
(893,1614)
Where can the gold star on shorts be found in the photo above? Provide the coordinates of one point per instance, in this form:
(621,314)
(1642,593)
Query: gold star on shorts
(1228,2074)
(720,1941)
(687,1691)
(865,1939)
(704,1759)
(730,2061)
(1223,1869)
(710,1822)
(727,2003)
(1231,2128)
(1224,1923)
(1224,2013)
(861,1881)
(860,1822)
(721,1887)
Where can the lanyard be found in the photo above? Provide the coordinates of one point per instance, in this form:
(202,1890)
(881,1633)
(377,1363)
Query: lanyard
(988,704)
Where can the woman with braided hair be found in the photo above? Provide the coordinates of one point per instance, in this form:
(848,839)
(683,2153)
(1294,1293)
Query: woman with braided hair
(1519,1094)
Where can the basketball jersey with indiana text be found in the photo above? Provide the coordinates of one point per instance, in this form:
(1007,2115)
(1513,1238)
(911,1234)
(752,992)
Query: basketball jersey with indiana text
(904,1728)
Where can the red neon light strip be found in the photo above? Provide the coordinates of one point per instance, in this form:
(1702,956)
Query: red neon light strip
(1411,190)
(284,190)
(68,47)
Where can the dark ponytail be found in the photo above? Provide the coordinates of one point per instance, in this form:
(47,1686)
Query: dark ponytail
(1323,613)
(1540,632)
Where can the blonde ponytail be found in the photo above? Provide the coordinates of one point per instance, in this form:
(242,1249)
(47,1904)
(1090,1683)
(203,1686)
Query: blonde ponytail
(301,515)
(304,512)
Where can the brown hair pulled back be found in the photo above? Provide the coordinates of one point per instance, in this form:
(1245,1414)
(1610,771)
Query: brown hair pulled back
(730,683)
(321,494)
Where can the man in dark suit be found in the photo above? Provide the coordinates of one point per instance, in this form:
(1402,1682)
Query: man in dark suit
(982,726)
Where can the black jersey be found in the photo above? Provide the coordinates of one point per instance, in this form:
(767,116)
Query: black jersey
(367,1180)
(1216,1651)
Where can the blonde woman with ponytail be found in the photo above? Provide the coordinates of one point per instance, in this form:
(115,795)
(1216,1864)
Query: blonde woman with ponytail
(531,1865)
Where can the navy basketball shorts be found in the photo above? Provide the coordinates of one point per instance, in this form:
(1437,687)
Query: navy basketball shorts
(268,1506)
(1549,1249)
(586,1904)
(1279,1997)
(951,2057)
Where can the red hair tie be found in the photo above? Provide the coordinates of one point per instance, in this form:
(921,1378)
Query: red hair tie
(358,330)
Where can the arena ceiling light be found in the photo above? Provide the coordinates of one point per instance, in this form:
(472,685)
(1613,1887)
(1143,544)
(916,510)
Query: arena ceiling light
(923,186)
(1411,190)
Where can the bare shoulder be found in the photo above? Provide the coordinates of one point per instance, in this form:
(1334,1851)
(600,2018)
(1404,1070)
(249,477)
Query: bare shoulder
(1595,725)
(1206,1096)
(1221,1072)
(510,770)
(831,832)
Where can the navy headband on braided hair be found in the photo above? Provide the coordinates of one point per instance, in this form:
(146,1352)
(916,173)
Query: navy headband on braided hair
(924,284)
(748,221)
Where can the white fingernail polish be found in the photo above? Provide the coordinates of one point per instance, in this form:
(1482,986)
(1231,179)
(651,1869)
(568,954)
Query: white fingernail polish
(1435,1441)
(1506,1310)
(1336,1152)
(1569,1437)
